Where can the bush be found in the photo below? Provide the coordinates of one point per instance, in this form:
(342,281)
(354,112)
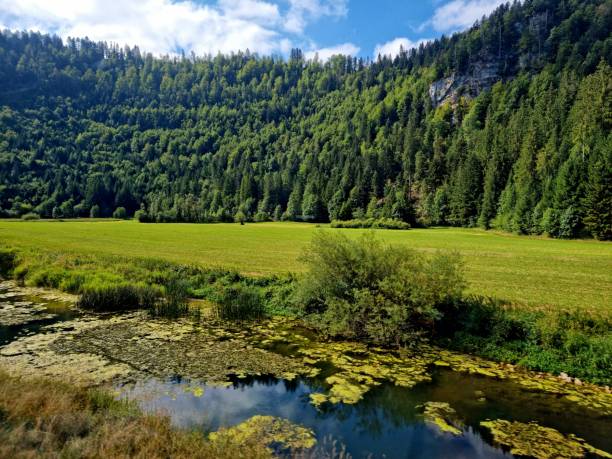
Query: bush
(30,216)
(102,297)
(380,223)
(120,213)
(239,302)
(142,216)
(363,289)
(94,212)
(240,217)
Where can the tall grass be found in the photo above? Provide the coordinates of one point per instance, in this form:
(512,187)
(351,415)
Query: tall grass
(8,259)
(239,302)
(42,418)
(118,297)
(173,302)
(577,343)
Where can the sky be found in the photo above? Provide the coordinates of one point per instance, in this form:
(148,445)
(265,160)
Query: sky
(322,28)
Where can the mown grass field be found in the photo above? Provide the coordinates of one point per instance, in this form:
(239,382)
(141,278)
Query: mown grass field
(525,270)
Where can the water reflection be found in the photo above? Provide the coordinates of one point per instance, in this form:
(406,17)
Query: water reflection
(382,425)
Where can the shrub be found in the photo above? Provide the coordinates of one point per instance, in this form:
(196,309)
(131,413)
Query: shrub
(577,343)
(94,212)
(30,216)
(380,223)
(120,213)
(103,297)
(239,302)
(142,216)
(364,289)
(240,217)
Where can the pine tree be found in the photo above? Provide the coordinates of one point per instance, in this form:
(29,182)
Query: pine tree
(598,201)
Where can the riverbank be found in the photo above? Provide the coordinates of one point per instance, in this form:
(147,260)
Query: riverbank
(577,343)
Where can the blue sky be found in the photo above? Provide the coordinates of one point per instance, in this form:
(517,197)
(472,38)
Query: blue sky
(363,28)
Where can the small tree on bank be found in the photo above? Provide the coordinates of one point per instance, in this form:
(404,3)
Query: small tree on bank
(364,289)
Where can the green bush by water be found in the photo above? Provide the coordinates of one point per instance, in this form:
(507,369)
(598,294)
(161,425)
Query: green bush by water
(576,343)
(366,290)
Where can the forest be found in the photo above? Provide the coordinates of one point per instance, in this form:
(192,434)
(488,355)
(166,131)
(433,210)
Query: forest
(506,125)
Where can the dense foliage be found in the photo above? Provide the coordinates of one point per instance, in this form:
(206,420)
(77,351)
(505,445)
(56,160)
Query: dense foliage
(522,144)
(366,290)
(386,223)
(575,342)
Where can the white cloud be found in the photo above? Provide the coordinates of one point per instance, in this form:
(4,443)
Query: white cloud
(251,9)
(302,11)
(392,48)
(461,14)
(167,26)
(347,49)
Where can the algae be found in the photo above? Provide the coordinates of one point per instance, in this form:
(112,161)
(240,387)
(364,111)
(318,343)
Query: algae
(586,395)
(22,312)
(441,415)
(23,305)
(538,441)
(268,431)
(136,345)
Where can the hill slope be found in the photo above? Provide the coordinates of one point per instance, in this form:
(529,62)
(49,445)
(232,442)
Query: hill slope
(505,125)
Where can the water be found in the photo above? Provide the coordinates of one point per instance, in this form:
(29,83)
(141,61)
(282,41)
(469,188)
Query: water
(51,312)
(386,423)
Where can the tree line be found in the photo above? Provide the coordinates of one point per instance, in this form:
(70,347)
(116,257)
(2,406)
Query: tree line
(89,128)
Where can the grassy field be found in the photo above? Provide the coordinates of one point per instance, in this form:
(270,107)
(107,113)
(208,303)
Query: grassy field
(525,270)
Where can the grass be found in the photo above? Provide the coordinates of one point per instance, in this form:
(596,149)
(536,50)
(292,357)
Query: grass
(524,270)
(43,418)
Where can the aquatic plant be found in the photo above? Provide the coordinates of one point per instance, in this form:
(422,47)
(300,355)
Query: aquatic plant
(268,431)
(121,297)
(533,440)
(173,301)
(239,302)
(441,415)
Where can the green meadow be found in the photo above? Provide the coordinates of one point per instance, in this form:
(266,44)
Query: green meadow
(524,270)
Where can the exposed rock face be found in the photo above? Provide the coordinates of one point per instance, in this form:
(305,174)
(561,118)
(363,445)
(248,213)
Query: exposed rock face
(483,76)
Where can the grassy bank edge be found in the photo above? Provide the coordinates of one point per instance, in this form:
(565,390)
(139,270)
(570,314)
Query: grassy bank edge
(48,418)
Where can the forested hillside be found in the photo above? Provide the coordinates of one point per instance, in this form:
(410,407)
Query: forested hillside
(506,125)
